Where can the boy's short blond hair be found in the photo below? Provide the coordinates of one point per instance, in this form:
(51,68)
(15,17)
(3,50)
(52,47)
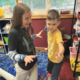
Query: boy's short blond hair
(53,14)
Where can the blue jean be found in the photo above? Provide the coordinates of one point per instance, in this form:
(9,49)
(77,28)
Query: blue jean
(54,69)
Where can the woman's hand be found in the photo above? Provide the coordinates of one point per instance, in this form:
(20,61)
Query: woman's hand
(29,59)
(39,34)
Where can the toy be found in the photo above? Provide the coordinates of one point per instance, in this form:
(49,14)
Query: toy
(64,12)
(77,25)
(77,15)
(7,28)
(73,54)
(1,13)
(49,76)
(75,42)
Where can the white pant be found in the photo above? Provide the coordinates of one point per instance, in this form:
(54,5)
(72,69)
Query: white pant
(21,74)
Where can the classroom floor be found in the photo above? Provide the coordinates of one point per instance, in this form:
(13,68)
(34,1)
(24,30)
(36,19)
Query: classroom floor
(7,64)
(66,73)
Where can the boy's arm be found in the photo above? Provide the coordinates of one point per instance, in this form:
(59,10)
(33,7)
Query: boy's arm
(61,52)
(60,43)
(61,48)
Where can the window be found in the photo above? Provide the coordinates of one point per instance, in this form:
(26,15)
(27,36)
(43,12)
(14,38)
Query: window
(43,5)
(35,4)
(7,2)
(38,7)
(56,4)
(62,4)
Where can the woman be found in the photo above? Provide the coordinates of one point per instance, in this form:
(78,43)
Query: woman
(20,44)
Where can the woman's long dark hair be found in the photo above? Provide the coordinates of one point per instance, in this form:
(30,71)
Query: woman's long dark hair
(30,29)
(18,11)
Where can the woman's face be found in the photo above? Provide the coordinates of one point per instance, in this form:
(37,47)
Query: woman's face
(26,19)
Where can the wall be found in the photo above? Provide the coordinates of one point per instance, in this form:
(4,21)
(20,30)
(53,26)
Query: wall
(39,25)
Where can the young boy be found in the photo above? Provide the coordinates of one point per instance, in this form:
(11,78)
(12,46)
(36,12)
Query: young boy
(55,44)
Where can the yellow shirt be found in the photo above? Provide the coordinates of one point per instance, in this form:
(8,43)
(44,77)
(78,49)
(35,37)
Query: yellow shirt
(53,40)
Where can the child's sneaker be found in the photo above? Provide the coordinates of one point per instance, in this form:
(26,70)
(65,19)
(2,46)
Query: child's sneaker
(48,75)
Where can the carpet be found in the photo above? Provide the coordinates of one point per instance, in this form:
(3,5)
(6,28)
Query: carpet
(66,72)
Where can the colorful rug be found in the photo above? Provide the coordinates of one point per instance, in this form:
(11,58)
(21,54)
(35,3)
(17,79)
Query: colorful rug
(66,73)
(7,64)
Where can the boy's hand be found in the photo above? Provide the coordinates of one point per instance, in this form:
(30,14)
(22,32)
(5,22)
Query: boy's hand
(46,50)
(58,57)
(39,34)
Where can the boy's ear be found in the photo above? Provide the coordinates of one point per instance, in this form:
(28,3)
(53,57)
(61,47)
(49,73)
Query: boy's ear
(59,23)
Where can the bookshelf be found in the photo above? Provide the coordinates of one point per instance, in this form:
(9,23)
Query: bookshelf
(4,35)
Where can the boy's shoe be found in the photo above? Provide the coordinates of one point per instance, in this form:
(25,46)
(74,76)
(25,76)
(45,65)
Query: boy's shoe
(48,75)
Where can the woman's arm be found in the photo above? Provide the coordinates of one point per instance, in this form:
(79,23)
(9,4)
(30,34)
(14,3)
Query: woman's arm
(33,36)
(16,56)
(21,57)
(37,35)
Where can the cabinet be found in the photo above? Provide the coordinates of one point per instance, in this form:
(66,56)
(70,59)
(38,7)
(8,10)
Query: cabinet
(4,35)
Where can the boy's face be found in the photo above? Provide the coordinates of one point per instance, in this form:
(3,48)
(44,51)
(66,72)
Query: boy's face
(52,25)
